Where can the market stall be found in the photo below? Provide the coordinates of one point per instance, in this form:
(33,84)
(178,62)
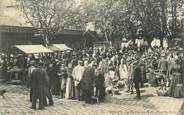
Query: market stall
(18,70)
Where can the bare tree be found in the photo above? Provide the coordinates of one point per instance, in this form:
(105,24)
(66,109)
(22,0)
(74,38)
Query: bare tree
(48,16)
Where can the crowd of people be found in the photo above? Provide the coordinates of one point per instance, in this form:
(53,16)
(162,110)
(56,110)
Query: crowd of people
(89,74)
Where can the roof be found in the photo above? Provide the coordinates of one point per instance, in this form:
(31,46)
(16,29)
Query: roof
(32,49)
(62,47)
(18,29)
(71,32)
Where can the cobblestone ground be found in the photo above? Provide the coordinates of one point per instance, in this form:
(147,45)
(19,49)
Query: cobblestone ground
(16,102)
(150,102)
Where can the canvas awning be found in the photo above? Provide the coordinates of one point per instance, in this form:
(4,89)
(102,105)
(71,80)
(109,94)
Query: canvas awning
(62,47)
(53,48)
(32,49)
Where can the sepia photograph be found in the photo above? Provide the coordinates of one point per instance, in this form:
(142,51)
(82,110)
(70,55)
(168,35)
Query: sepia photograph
(91,57)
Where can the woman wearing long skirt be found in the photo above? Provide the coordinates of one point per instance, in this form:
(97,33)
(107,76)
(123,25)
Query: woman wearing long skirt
(63,76)
(69,83)
(176,86)
(123,71)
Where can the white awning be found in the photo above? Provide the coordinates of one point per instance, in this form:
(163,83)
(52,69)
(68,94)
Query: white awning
(53,48)
(62,47)
(31,49)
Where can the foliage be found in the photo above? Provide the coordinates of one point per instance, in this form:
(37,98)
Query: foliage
(108,17)
(127,18)
(49,16)
(114,18)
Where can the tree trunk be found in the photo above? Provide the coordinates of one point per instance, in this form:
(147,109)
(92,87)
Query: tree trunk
(106,37)
(174,17)
(45,39)
(163,7)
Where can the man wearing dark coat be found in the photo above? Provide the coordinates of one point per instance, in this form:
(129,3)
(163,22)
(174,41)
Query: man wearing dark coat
(47,90)
(37,85)
(87,83)
(52,73)
(137,78)
(100,85)
(40,88)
